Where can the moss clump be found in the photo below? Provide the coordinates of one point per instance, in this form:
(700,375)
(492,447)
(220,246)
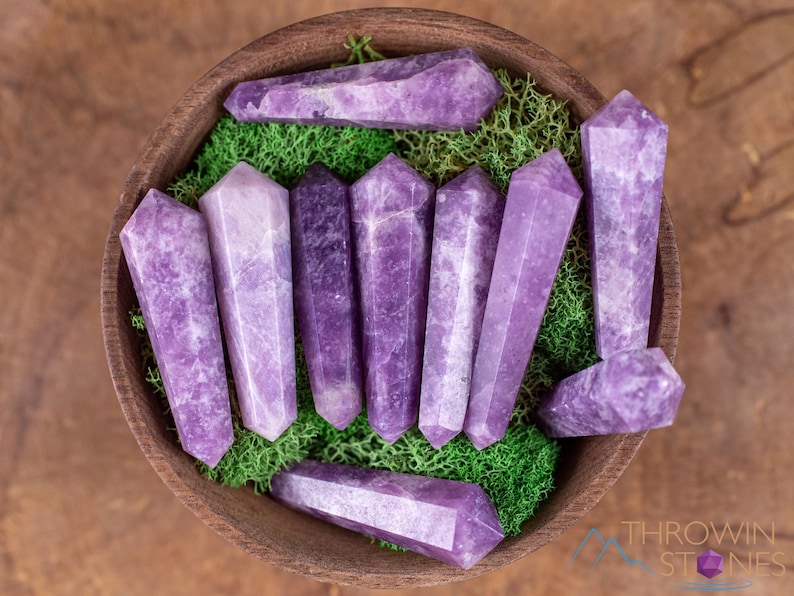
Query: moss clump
(282,152)
(517,471)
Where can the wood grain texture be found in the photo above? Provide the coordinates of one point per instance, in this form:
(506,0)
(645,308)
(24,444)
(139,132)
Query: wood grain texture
(82,85)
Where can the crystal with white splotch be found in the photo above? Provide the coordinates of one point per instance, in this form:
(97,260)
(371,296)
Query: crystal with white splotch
(248,219)
(624,146)
(454,522)
(542,201)
(438,91)
(629,392)
(392,214)
(325,293)
(466,226)
(166,248)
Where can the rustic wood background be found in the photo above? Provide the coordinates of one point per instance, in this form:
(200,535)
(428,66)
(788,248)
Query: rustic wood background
(82,83)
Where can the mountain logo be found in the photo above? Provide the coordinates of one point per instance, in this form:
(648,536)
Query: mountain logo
(605,544)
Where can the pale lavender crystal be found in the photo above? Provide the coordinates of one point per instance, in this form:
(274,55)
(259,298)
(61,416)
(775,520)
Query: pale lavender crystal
(454,522)
(629,392)
(542,201)
(325,293)
(440,91)
(249,227)
(623,149)
(467,219)
(392,213)
(166,248)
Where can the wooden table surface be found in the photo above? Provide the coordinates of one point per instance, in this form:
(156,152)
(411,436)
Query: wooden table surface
(81,86)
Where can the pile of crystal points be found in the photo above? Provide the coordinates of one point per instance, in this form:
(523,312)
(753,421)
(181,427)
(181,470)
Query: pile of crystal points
(422,303)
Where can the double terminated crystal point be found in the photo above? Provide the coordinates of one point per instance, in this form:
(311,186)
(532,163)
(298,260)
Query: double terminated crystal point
(542,201)
(438,91)
(325,293)
(166,248)
(392,214)
(629,392)
(451,521)
(466,226)
(623,149)
(249,224)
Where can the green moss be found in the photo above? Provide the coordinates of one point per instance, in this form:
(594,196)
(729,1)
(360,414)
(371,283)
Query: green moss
(517,471)
(282,152)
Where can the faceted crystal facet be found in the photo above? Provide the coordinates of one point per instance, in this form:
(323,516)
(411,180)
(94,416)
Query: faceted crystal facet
(710,564)
(325,293)
(623,149)
(392,213)
(454,522)
(626,393)
(438,91)
(467,219)
(248,219)
(542,201)
(167,251)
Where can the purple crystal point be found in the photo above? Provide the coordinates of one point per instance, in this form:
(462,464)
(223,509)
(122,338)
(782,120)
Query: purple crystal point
(467,219)
(623,149)
(248,219)
(542,201)
(626,393)
(710,564)
(392,213)
(438,91)
(325,296)
(167,251)
(454,522)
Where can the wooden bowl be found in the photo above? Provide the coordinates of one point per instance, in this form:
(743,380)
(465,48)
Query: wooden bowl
(255,523)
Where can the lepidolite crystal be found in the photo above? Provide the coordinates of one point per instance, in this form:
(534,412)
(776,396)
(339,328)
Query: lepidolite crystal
(454,522)
(623,149)
(166,248)
(542,201)
(392,214)
(325,293)
(438,91)
(466,226)
(629,392)
(249,227)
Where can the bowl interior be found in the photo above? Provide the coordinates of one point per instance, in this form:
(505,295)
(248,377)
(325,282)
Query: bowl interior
(255,523)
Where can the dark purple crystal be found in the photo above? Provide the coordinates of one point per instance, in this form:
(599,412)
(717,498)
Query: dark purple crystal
(325,293)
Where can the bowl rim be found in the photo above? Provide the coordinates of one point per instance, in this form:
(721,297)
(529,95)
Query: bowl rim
(176,135)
